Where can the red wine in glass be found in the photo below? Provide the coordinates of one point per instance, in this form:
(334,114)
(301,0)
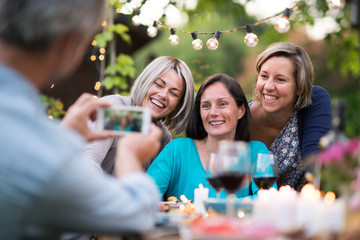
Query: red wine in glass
(264,182)
(215,183)
(231,181)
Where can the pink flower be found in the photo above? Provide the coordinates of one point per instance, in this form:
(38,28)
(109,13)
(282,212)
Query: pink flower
(335,153)
(353,147)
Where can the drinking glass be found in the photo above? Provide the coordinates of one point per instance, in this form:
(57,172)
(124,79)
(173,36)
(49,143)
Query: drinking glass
(212,176)
(265,170)
(233,166)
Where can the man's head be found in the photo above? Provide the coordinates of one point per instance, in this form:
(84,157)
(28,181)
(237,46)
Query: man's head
(35,26)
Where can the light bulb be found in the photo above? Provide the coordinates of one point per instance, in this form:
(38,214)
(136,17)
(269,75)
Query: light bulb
(135,4)
(282,25)
(197,44)
(126,9)
(152,31)
(251,39)
(212,44)
(136,20)
(174,39)
(335,4)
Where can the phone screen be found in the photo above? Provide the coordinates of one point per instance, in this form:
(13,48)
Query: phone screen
(123,120)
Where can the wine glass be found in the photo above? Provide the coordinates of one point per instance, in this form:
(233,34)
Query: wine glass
(265,170)
(233,166)
(212,176)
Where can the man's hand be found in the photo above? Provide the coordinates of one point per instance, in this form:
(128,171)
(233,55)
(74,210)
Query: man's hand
(135,149)
(79,113)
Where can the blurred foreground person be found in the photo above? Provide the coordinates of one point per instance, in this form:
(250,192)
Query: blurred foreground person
(46,185)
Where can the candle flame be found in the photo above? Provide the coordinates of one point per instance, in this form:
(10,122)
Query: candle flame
(309,192)
(201,186)
(184,199)
(182,207)
(329,198)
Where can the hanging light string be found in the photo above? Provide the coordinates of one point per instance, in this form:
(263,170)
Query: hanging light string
(281,26)
(159,24)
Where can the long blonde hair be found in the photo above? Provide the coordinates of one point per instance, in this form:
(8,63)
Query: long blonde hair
(176,120)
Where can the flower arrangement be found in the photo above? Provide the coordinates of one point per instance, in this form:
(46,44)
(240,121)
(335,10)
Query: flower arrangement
(340,167)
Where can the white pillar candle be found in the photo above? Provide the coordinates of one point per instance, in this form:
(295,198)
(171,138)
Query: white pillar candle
(309,210)
(201,195)
(265,207)
(333,215)
(286,210)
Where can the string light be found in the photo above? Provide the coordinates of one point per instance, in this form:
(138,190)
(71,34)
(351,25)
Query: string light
(335,4)
(250,39)
(136,20)
(213,43)
(283,24)
(152,31)
(173,39)
(126,9)
(135,4)
(93,58)
(101,57)
(197,44)
(97,86)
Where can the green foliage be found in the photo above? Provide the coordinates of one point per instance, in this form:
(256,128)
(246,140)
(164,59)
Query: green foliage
(121,30)
(55,107)
(352,114)
(102,39)
(116,74)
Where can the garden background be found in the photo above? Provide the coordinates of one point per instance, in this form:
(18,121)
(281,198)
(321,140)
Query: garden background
(121,50)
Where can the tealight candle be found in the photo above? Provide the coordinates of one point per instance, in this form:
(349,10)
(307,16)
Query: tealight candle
(201,194)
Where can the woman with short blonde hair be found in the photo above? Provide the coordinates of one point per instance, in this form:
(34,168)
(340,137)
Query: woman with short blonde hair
(288,113)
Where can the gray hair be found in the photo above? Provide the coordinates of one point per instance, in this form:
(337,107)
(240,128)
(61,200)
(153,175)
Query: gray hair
(303,73)
(176,120)
(35,24)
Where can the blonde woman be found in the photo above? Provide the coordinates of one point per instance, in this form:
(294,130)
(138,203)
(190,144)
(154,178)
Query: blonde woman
(288,113)
(166,88)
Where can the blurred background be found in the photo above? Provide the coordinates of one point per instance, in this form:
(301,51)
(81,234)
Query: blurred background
(328,30)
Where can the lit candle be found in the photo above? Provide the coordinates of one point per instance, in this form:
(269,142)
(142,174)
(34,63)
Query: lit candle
(333,213)
(201,194)
(286,210)
(309,210)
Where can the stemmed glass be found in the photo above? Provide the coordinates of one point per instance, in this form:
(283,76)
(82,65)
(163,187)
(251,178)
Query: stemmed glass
(265,170)
(233,167)
(212,176)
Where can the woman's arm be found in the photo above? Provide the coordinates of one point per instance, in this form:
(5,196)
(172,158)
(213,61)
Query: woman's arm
(314,121)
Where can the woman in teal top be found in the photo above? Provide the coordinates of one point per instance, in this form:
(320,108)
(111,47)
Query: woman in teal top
(221,112)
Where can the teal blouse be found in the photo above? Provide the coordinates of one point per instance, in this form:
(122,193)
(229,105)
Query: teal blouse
(178,170)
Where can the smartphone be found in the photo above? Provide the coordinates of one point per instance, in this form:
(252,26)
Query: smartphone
(124,119)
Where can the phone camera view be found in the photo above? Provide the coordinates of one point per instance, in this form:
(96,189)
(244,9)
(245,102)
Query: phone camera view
(123,121)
